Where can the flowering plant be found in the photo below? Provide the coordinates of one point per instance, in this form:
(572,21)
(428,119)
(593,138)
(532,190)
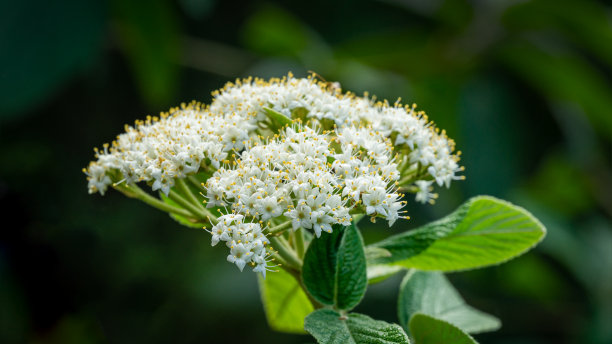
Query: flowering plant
(281,171)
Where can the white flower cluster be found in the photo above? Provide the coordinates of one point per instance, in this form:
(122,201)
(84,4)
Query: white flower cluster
(291,177)
(343,155)
(159,150)
(246,242)
(422,145)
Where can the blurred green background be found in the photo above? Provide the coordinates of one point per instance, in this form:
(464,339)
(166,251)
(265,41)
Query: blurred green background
(525,88)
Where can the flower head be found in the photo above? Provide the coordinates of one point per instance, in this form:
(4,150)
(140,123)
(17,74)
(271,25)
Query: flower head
(342,155)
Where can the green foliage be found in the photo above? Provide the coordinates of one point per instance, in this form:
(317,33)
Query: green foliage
(334,270)
(285,302)
(426,329)
(432,294)
(330,327)
(483,231)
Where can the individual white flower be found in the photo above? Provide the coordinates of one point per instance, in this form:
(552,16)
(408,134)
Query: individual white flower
(300,216)
(374,201)
(321,221)
(261,265)
(240,254)
(268,207)
(424,194)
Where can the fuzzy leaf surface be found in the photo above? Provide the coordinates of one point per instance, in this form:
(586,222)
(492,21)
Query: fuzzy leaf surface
(328,327)
(334,270)
(483,231)
(426,329)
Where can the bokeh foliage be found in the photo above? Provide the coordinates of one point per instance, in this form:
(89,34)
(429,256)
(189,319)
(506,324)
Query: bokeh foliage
(524,86)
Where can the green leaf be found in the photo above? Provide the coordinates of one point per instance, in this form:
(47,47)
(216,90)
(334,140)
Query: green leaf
(277,118)
(334,270)
(483,231)
(432,294)
(373,253)
(426,329)
(379,272)
(285,302)
(329,327)
(188,222)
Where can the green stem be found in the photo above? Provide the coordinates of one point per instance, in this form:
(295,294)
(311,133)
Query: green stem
(279,228)
(194,209)
(410,175)
(196,183)
(184,189)
(285,252)
(299,242)
(134,191)
(402,166)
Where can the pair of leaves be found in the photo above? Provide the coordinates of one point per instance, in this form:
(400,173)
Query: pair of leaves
(432,311)
(334,273)
(483,231)
(428,306)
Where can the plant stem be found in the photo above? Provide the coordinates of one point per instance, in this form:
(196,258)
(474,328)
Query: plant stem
(196,183)
(286,253)
(134,191)
(299,242)
(279,228)
(194,209)
(184,189)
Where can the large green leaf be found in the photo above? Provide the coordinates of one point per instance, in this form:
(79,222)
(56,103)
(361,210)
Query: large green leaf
(334,270)
(285,303)
(329,327)
(432,294)
(426,329)
(483,231)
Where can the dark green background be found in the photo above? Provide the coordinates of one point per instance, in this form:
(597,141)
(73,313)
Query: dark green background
(524,87)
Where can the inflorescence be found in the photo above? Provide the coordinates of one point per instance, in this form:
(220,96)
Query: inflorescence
(284,154)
